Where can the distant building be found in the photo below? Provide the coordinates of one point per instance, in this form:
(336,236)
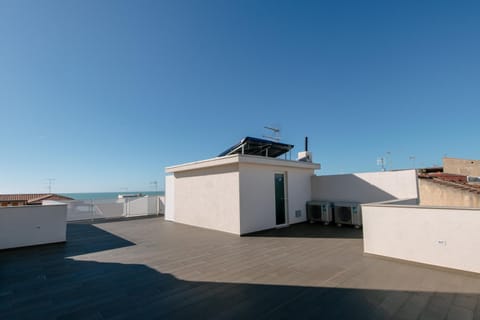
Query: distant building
(13,200)
(462,167)
(450,186)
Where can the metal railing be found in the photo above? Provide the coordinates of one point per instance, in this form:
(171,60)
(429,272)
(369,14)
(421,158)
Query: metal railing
(78,210)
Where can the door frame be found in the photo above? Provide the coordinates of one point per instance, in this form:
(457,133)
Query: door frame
(285,199)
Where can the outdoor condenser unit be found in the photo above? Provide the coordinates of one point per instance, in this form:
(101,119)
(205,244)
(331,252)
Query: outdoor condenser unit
(349,213)
(473,179)
(319,211)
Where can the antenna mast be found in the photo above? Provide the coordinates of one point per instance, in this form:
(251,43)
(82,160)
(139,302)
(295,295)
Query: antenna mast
(381,163)
(50,183)
(275,133)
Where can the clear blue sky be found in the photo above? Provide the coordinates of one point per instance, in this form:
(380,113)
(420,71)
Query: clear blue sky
(103,95)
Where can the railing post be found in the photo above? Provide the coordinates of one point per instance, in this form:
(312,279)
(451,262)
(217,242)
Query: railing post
(92,209)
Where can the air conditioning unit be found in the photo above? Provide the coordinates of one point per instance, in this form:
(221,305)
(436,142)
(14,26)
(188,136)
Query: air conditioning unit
(349,213)
(473,179)
(305,156)
(319,211)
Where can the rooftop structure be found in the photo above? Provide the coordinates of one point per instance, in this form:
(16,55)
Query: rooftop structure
(454,185)
(245,189)
(239,193)
(29,199)
(453,180)
(151,268)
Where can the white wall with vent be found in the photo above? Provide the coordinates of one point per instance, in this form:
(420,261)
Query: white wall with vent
(440,236)
(32,225)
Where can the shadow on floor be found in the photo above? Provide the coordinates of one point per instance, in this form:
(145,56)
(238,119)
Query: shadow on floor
(85,238)
(115,219)
(82,238)
(70,289)
(311,230)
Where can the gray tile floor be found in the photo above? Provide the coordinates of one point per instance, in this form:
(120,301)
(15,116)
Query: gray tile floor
(153,269)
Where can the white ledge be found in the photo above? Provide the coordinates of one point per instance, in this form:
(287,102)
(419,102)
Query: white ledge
(237,158)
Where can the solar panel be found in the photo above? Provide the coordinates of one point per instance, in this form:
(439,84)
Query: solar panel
(258,147)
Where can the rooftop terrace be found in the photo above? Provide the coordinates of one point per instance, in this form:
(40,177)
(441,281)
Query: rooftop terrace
(150,268)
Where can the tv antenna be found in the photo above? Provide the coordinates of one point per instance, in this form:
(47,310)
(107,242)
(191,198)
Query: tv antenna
(155,184)
(275,134)
(381,163)
(50,184)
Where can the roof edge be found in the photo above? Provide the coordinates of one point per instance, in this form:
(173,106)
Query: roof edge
(238,158)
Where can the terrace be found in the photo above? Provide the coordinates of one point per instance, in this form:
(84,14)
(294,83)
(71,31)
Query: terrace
(151,268)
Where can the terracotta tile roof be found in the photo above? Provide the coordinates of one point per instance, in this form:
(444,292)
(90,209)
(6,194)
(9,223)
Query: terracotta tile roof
(453,180)
(32,197)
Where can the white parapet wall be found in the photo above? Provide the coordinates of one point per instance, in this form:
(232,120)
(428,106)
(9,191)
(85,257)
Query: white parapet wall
(32,225)
(366,187)
(142,206)
(440,236)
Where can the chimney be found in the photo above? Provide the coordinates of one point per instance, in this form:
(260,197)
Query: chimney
(305,156)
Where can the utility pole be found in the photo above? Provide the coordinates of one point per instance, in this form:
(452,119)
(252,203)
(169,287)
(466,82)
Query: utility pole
(413,160)
(155,184)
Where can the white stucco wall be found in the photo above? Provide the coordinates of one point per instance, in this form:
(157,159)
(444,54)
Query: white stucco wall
(170,198)
(32,225)
(257,204)
(299,192)
(446,237)
(161,204)
(257,191)
(366,187)
(208,198)
(142,206)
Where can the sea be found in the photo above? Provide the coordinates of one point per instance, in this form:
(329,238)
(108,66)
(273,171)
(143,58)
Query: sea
(109,195)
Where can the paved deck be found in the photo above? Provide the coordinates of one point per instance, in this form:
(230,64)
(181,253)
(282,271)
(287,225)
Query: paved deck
(153,269)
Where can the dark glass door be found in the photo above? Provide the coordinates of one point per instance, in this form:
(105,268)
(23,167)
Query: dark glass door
(280,212)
